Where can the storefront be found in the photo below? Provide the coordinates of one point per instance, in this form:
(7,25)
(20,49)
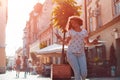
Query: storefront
(98,65)
(50,55)
(53,52)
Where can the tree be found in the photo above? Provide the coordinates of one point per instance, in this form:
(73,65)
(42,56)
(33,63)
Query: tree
(63,10)
(60,14)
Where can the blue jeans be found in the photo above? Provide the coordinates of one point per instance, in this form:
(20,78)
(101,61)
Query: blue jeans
(78,64)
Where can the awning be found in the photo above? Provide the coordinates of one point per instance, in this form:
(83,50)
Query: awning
(55,48)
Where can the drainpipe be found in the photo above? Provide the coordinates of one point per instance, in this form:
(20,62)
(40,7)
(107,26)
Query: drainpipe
(85,11)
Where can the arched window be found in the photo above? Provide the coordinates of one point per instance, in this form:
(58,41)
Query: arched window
(90,19)
(116,7)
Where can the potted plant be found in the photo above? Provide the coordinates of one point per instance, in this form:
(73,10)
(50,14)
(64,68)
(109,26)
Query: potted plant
(60,14)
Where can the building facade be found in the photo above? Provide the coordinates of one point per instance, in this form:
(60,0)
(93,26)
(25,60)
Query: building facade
(3,22)
(38,32)
(45,29)
(102,20)
(10,63)
(31,30)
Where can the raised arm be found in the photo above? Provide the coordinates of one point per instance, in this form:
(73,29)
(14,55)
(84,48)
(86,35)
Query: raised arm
(66,41)
(59,37)
(88,43)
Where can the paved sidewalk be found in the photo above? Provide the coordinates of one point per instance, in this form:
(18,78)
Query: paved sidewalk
(104,78)
(11,75)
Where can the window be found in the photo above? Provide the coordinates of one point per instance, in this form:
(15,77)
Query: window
(116,7)
(49,42)
(116,0)
(0,3)
(96,53)
(98,17)
(88,1)
(99,21)
(99,50)
(91,24)
(92,53)
(90,20)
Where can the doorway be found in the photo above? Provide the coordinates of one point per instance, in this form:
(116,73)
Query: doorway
(118,55)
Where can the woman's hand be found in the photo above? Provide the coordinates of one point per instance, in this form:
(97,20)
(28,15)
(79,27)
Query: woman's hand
(88,43)
(58,36)
(67,39)
(95,41)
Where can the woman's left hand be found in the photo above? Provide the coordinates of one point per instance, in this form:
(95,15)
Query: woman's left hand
(95,41)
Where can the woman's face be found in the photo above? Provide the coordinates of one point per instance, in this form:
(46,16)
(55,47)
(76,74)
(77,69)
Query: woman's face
(74,24)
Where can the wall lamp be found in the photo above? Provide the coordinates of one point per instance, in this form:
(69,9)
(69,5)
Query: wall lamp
(116,33)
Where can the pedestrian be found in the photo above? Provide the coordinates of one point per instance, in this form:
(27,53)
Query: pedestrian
(18,66)
(25,66)
(76,38)
(29,67)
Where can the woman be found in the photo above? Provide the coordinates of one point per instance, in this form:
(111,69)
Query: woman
(29,67)
(76,37)
(25,66)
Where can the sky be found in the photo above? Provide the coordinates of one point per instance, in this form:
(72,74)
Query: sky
(18,14)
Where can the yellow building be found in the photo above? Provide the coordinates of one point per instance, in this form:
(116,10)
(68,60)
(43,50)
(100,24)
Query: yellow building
(3,21)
